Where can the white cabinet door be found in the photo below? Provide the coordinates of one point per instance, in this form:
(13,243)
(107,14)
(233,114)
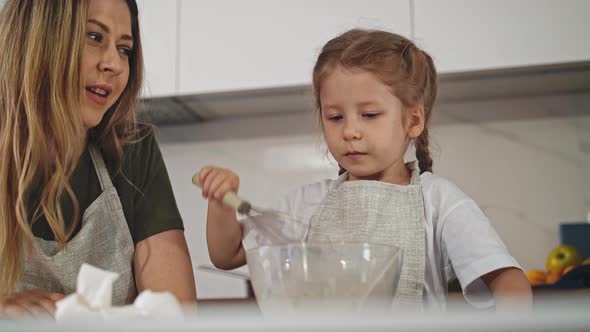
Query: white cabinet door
(480,34)
(234,44)
(159,25)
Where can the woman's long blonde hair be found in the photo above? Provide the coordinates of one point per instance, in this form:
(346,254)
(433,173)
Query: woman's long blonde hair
(41,130)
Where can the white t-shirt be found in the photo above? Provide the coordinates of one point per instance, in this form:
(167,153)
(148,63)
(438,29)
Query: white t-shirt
(460,241)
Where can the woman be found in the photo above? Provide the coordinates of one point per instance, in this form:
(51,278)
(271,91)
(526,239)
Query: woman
(80,182)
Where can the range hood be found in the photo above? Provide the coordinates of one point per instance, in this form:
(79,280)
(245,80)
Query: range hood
(455,90)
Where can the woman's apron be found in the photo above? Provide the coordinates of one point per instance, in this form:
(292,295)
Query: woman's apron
(103,241)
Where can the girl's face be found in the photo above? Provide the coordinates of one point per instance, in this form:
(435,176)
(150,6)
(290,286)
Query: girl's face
(364,125)
(105,59)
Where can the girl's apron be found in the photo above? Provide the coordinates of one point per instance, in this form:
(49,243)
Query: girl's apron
(383,213)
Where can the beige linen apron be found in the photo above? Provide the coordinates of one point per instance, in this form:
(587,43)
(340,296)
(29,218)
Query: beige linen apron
(103,241)
(379,212)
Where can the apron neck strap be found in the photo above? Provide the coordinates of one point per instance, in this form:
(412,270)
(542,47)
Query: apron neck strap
(100,168)
(415,169)
(411,165)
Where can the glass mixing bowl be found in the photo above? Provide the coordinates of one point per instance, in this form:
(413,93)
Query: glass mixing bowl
(306,276)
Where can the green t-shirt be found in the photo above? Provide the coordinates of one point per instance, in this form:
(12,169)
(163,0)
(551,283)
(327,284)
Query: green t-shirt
(142,184)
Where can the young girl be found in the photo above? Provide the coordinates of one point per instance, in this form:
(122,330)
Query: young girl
(79,181)
(375,92)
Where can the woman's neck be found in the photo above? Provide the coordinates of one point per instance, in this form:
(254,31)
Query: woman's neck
(51,153)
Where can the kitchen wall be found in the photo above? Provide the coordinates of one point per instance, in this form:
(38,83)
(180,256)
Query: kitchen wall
(528,174)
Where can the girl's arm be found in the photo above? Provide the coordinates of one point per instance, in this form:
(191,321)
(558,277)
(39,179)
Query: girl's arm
(224,237)
(162,263)
(224,233)
(510,289)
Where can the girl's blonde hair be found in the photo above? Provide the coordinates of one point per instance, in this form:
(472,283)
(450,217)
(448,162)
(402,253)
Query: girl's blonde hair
(396,61)
(41,130)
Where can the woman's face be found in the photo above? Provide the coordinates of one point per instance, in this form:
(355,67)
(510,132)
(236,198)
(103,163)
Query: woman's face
(105,59)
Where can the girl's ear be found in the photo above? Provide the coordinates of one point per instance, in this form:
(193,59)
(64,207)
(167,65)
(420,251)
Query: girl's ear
(415,121)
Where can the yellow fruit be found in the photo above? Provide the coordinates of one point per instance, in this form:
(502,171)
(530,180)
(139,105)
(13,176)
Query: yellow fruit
(536,277)
(561,257)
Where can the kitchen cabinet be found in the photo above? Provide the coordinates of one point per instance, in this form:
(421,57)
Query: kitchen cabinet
(464,35)
(193,47)
(158,24)
(235,45)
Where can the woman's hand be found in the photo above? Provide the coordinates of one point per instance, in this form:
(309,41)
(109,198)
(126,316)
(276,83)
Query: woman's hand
(35,303)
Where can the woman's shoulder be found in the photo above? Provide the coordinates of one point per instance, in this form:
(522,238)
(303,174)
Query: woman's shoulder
(142,142)
(142,150)
(142,158)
